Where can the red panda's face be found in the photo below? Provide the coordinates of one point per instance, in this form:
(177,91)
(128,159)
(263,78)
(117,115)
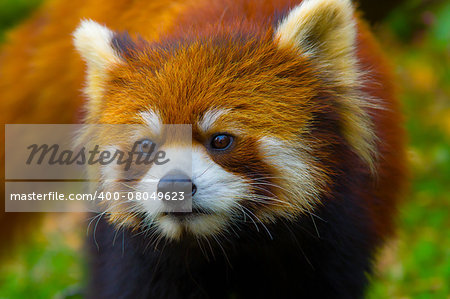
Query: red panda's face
(252,156)
(266,121)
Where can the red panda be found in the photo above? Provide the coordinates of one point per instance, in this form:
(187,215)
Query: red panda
(294,117)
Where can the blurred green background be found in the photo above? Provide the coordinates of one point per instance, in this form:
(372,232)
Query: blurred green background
(416,36)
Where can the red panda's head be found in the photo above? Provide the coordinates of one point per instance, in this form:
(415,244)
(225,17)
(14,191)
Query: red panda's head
(269,109)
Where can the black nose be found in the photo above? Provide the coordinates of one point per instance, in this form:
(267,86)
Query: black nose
(176,181)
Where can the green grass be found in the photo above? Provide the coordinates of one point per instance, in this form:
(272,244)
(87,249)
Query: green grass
(51,265)
(414,265)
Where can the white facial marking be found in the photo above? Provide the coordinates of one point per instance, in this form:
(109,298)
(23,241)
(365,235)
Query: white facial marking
(210,117)
(152,120)
(291,161)
(217,189)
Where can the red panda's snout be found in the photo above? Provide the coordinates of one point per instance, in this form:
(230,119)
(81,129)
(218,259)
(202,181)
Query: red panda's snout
(217,195)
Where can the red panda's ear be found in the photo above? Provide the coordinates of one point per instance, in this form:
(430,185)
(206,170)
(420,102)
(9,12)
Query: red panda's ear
(325,31)
(95,43)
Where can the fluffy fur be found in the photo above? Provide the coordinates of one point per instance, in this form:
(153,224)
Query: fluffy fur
(307,192)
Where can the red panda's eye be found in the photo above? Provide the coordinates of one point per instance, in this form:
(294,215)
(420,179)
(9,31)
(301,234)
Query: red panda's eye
(146,146)
(221,141)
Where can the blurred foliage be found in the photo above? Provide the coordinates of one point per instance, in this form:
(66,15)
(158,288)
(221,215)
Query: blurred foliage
(417,264)
(416,36)
(52,266)
(12,11)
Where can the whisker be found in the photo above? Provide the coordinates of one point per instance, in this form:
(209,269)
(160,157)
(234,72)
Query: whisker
(265,227)
(206,169)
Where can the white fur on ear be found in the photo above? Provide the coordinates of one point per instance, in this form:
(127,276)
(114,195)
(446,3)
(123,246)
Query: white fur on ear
(94,42)
(325,31)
